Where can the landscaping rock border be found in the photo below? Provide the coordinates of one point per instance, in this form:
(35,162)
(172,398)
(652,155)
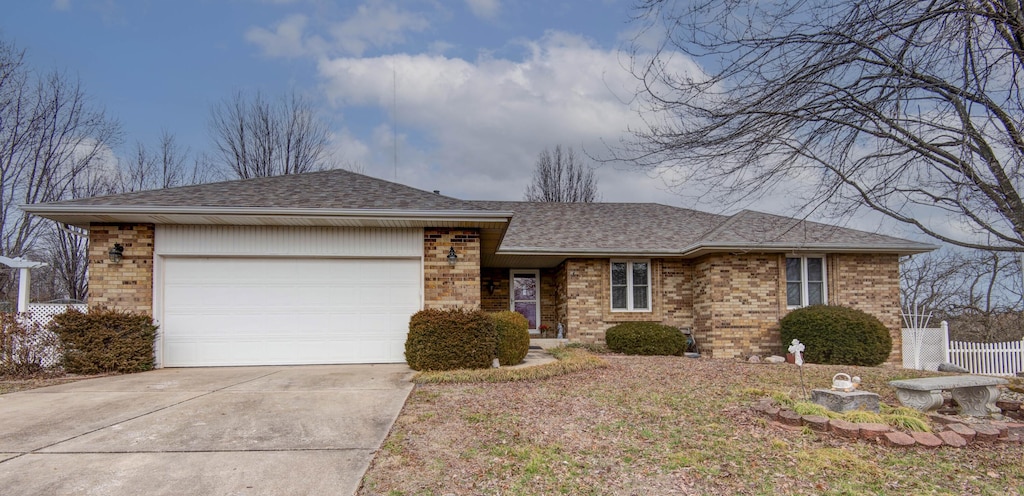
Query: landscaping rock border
(947,432)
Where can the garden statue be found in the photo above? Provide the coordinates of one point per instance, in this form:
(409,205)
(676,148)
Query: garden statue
(797,349)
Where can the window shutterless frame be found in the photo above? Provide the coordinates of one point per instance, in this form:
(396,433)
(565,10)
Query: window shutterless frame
(806,281)
(630,285)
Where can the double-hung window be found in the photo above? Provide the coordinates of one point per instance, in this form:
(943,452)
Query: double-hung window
(631,285)
(805,281)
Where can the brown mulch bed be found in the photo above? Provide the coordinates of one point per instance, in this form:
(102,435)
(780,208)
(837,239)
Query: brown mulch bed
(659,425)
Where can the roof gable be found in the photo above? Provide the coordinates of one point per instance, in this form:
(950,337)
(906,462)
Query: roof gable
(335,189)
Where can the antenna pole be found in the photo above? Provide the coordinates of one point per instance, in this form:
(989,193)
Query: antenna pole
(394,117)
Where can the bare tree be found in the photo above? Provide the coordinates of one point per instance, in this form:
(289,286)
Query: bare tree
(50,137)
(170,165)
(255,137)
(910,108)
(979,292)
(561,177)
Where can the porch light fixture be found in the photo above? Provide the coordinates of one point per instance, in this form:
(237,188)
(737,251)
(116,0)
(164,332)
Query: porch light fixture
(452,257)
(490,288)
(116,253)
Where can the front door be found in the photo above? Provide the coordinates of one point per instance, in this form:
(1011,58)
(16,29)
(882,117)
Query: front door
(525,293)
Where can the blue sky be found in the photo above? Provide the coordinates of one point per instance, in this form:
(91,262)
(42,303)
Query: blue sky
(481,86)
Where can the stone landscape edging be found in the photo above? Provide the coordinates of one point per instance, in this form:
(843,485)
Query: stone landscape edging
(949,432)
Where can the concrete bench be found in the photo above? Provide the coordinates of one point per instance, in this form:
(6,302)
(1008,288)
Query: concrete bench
(975,394)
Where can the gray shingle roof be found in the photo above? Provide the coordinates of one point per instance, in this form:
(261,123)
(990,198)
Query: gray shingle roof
(749,226)
(602,226)
(333,189)
(607,228)
(655,228)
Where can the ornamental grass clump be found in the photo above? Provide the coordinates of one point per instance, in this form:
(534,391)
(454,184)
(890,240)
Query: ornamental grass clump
(836,335)
(450,339)
(645,338)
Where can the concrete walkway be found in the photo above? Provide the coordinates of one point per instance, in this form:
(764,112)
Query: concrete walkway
(228,431)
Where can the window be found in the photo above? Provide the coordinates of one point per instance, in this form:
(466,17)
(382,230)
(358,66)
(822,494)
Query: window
(805,281)
(631,285)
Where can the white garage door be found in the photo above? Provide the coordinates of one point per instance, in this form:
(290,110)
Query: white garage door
(275,311)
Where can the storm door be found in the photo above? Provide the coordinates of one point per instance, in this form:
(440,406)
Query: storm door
(526,295)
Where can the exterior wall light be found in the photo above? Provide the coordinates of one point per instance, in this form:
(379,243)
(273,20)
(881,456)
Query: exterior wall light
(452,257)
(116,253)
(490,288)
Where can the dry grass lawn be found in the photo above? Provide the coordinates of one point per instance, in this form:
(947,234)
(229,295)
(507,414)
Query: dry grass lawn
(659,425)
(15,384)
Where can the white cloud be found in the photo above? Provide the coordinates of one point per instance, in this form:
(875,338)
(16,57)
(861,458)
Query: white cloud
(482,122)
(373,25)
(376,24)
(286,40)
(484,9)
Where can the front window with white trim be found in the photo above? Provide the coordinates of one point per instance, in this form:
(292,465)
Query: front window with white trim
(631,285)
(805,281)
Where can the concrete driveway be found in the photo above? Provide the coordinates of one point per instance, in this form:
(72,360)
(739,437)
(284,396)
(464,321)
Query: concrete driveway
(226,431)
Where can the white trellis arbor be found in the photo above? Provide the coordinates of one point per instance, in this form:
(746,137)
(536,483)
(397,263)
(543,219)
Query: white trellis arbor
(24,278)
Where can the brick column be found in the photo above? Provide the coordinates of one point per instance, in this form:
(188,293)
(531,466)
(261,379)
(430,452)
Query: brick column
(444,286)
(127,285)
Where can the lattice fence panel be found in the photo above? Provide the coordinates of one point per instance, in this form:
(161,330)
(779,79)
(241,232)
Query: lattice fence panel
(43,345)
(925,348)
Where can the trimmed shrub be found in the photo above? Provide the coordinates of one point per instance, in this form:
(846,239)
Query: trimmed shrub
(450,339)
(645,338)
(513,336)
(105,341)
(26,349)
(836,335)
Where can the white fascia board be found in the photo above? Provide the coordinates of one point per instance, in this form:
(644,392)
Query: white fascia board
(701,249)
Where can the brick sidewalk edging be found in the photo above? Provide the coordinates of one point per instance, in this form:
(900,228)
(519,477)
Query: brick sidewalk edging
(947,431)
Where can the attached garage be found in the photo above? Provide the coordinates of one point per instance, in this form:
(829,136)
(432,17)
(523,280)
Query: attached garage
(248,295)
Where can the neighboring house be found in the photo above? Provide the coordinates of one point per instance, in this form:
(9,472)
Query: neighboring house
(327,267)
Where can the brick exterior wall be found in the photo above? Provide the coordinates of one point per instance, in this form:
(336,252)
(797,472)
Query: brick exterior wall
(444,286)
(549,298)
(587,297)
(733,302)
(737,304)
(870,283)
(127,285)
(500,299)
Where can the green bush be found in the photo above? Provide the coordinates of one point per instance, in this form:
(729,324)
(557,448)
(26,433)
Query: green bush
(837,335)
(645,338)
(450,339)
(513,336)
(105,341)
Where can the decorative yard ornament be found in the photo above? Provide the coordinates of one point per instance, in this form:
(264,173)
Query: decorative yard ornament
(797,349)
(842,382)
(24,278)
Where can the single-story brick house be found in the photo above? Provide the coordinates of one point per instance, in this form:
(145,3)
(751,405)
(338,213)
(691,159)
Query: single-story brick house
(327,267)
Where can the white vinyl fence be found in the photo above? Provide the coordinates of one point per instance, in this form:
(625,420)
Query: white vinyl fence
(925,348)
(988,358)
